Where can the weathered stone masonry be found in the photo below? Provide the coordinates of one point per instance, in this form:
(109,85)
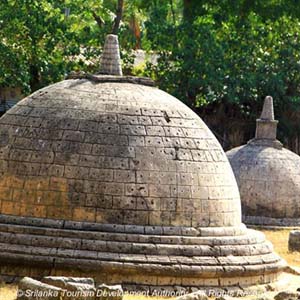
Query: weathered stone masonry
(268,175)
(110,177)
(95,164)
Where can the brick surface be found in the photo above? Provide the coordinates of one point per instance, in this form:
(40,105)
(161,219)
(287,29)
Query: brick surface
(153,150)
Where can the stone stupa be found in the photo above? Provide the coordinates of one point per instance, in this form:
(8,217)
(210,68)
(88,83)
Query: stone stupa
(109,177)
(268,175)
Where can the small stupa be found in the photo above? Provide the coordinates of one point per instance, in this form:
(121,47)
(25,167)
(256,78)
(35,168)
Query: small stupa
(109,177)
(268,175)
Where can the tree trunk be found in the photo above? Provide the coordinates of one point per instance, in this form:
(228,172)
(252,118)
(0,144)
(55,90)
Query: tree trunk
(188,9)
(118,17)
(193,9)
(134,26)
(173,12)
(98,19)
(35,80)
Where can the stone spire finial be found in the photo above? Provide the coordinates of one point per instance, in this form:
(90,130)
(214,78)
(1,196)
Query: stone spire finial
(110,60)
(268,109)
(266,126)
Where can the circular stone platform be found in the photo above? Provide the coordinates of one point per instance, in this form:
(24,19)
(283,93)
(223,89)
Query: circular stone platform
(268,176)
(122,182)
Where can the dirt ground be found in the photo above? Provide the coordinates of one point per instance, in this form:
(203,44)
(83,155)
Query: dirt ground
(279,238)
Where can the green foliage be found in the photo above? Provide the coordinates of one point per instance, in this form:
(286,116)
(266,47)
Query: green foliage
(40,42)
(30,36)
(234,62)
(210,52)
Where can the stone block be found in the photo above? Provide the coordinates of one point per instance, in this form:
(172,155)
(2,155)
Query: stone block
(287,295)
(151,141)
(116,163)
(136,141)
(109,128)
(124,176)
(30,289)
(294,240)
(76,172)
(136,190)
(155,131)
(163,191)
(149,204)
(84,214)
(66,158)
(133,130)
(112,292)
(62,282)
(68,124)
(139,217)
(5,194)
(199,295)
(101,174)
(10,208)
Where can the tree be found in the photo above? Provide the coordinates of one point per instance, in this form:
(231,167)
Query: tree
(118,17)
(226,59)
(210,52)
(40,42)
(31,32)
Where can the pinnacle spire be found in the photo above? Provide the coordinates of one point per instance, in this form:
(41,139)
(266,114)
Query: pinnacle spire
(268,109)
(110,63)
(266,126)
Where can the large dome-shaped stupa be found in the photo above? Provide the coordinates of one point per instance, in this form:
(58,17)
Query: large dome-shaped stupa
(110,177)
(268,175)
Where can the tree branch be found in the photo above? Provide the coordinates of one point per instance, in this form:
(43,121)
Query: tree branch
(98,19)
(173,12)
(118,17)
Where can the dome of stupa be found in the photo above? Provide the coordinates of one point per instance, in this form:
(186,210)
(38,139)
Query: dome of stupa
(268,175)
(110,177)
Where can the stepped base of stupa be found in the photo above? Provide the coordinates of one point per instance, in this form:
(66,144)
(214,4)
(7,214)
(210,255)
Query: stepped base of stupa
(137,256)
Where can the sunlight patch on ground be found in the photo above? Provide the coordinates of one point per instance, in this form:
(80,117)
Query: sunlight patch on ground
(279,239)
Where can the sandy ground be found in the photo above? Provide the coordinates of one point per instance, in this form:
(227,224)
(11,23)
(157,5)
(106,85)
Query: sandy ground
(279,238)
